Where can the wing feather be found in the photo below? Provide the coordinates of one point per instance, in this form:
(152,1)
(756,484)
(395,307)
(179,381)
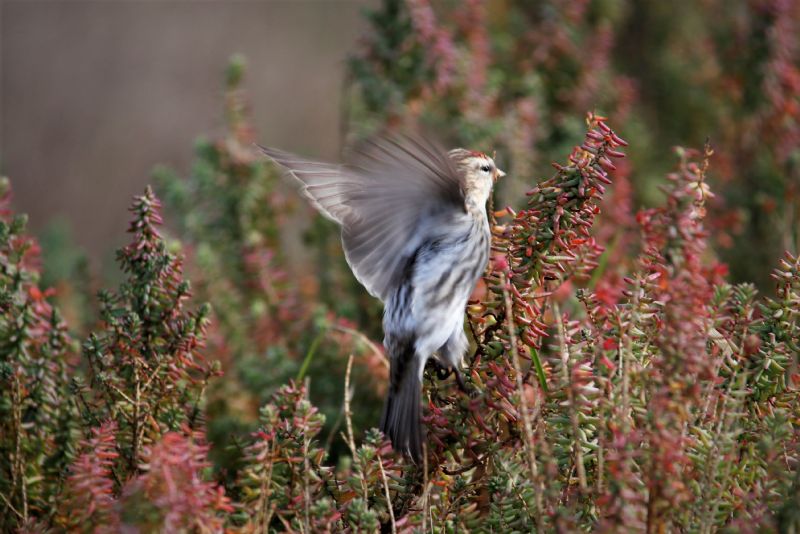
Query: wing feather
(390,185)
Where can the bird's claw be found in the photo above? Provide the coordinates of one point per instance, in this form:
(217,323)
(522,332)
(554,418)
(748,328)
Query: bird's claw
(443,372)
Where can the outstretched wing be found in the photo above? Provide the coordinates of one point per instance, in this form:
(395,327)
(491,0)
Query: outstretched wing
(390,185)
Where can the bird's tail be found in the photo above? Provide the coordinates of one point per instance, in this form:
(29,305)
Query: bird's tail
(402,411)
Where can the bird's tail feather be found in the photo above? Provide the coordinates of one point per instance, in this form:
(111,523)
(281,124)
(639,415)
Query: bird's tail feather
(401,420)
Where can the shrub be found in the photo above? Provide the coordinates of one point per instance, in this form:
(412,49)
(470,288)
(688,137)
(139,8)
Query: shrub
(143,400)
(37,420)
(145,368)
(668,400)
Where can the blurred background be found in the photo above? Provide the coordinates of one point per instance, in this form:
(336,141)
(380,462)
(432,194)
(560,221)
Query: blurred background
(100,98)
(95,94)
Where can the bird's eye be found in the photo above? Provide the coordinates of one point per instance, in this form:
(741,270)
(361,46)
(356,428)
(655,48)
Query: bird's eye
(486,168)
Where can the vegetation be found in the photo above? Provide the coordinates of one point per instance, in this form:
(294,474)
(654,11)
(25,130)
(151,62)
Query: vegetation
(619,379)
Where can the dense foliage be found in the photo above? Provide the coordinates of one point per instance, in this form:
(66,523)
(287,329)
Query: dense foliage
(616,381)
(517,76)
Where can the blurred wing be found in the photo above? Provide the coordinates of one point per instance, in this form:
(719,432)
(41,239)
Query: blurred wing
(324,185)
(390,186)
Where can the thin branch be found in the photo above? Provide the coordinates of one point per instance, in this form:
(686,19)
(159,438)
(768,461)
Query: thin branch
(347,414)
(10,506)
(18,471)
(360,335)
(350,440)
(426,487)
(121,393)
(526,419)
(573,410)
(386,489)
(306,491)
(306,470)
(153,375)
(135,431)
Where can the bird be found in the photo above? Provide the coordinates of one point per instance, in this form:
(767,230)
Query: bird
(415,234)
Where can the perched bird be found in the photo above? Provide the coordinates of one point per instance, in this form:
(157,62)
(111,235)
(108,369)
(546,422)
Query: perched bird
(416,235)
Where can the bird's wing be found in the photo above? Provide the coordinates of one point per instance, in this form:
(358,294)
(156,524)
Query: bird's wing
(390,185)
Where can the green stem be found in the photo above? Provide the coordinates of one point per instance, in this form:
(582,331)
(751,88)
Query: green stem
(310,355)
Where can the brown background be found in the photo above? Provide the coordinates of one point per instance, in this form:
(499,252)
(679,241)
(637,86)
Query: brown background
(94,94)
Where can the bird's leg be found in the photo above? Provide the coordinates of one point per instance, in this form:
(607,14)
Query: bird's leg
(443,372)
(460,381)
(439,370)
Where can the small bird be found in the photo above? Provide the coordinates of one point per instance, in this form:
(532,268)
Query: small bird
(416,236)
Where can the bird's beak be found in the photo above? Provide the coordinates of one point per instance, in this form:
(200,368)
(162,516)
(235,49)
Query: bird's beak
(498,174)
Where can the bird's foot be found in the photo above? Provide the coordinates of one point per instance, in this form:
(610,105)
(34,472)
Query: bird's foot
(460,381)
(443,373)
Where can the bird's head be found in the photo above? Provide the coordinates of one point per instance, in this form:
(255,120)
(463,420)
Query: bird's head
(479,171)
